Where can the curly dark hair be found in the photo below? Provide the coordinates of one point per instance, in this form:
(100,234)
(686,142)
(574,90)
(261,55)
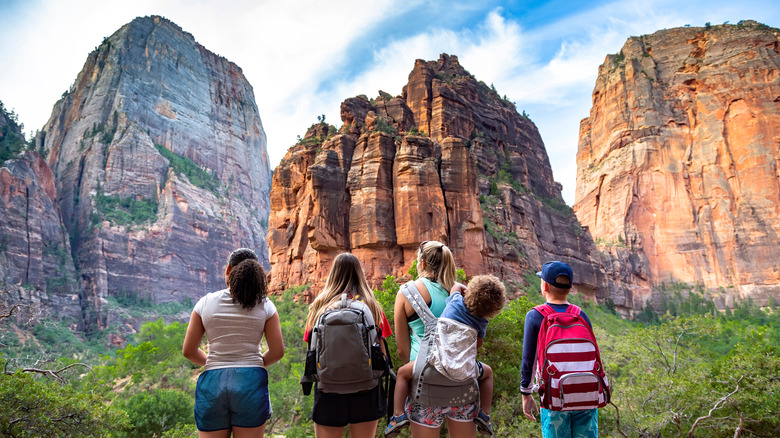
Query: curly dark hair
(485,296)
(240,255)
(246,282)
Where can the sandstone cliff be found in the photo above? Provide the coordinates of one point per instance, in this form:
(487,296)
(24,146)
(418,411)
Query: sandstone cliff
(678,161)
(449,160)
(160,163)
(36,267)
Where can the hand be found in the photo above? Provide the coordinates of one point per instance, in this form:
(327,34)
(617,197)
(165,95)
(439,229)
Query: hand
(457,287)
(529,407)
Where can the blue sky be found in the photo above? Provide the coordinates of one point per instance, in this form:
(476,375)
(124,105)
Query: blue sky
(304,57)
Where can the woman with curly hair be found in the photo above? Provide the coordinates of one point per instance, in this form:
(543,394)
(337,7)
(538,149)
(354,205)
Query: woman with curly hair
(231,395)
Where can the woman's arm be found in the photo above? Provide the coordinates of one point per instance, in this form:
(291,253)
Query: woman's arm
(403,338)
(191,348)
(273,337)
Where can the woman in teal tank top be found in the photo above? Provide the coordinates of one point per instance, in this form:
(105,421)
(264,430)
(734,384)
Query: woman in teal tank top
(436,268)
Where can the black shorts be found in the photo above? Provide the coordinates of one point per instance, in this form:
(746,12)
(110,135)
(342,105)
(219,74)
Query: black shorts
(339,410)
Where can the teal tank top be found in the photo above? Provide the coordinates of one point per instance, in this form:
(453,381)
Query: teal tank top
(438,302)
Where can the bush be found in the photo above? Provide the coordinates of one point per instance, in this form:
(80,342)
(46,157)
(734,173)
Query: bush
(194,173)
(34,407)
(130,210)
(11,137)
(153,413)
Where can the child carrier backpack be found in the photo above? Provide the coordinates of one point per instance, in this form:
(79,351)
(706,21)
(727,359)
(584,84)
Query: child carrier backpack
(568,368)
(344,356)
(430,387)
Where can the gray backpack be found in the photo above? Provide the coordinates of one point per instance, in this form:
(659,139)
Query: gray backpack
(429,386)
(344,356)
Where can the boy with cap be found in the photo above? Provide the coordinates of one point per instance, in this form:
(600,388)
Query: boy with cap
(557,278)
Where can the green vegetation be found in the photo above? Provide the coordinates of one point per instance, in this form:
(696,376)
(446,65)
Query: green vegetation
(126,211)
(383,126)
(11,136)
(186,167)
(34,407)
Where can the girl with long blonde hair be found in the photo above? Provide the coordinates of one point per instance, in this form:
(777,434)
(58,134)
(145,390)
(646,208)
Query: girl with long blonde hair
(361,411)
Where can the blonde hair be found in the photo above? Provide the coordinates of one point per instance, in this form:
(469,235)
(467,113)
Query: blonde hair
(345,276)
(439,263)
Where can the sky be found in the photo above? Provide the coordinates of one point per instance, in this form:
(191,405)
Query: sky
(303,58)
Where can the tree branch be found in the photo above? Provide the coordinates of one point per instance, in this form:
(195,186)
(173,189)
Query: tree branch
(676,345)
(10,312)
(54,374)
(617,420)
(719,404)
(741,424)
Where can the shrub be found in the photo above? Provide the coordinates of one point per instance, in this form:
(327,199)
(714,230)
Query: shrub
(123,211)
(153,413)
(194,173)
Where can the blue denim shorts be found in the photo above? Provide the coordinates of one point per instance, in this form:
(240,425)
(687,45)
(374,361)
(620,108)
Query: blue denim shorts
(570,424)
(228,397)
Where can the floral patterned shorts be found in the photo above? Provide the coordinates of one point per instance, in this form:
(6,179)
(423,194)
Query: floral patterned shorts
(434,416)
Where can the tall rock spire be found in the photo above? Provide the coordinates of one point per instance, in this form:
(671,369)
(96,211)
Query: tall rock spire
(447,160)
(161,167)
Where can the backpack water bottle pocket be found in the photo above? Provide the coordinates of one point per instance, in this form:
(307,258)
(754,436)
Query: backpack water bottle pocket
(310,368)
(378,360)
(578,391)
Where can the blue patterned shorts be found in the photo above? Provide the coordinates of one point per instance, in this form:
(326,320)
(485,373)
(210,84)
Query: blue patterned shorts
(434,416)
(570,424)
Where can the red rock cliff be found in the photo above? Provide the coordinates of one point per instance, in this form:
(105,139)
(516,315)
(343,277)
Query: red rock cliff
(448,160)
(161,170)
(679,158)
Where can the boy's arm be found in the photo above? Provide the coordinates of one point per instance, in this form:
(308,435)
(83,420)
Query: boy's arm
(533,322)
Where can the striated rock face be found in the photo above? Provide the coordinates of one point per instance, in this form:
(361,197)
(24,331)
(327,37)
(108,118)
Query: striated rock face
(446,160)
(679,158)
(161,170)
(35,255)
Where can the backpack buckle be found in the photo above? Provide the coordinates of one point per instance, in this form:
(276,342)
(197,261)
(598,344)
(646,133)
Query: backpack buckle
(551,370)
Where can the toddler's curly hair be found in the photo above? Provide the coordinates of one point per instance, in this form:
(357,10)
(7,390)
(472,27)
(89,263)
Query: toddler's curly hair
(485,296)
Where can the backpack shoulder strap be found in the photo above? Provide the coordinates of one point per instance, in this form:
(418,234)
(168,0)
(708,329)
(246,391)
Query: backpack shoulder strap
(545,309)
(415,299)
(573,309)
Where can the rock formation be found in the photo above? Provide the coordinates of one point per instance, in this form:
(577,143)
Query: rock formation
(446,160)
(35,256)
(679,158)
(159,158)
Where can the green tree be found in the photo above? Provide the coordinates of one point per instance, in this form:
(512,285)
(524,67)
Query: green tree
(34,406)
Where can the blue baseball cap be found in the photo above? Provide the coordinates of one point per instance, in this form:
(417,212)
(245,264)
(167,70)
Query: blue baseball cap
(551,270)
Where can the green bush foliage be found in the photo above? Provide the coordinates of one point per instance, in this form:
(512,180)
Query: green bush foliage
(194,173)
(153,413)
(123,211)
(11,137)
(34,406)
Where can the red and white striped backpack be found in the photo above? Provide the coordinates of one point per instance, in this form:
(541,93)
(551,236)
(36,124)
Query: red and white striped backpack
(568,364)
